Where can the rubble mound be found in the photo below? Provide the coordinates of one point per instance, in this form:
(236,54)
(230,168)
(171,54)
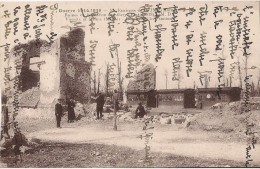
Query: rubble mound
(40,113)
(30,98)
(225,117)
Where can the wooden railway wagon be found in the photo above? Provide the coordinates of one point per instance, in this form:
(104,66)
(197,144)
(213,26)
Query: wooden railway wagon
(184,98)
(136,96)
(162,98)
(211,96)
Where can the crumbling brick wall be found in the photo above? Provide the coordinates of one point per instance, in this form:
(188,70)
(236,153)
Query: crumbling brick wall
(75,71)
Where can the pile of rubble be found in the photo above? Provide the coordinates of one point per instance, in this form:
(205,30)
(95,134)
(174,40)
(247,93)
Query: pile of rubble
(162,118)
(39,113)
(226,117)
(30,98)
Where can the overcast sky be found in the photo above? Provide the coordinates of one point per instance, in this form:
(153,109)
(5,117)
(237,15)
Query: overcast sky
(65,12)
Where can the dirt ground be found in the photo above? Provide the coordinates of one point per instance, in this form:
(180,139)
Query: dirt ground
(94,144)
(64,155)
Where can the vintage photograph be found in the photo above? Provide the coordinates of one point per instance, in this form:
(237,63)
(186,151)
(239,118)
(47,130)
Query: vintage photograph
(130,84)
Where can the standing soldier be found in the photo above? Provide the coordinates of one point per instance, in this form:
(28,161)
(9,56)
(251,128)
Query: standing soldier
(58,112)
(100,103)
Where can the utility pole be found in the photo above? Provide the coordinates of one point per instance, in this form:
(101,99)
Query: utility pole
(166,77)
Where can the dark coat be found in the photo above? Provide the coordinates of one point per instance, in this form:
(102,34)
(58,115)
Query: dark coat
(71,112)
(100,101)
(58,110)
(140,110)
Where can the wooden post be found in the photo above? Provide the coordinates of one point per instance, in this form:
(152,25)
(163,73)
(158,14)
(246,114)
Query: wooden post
(115,97)
(107,80)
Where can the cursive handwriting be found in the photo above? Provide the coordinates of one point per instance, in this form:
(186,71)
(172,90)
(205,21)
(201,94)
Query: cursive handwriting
(147,136)
(176,68)
(219,42)
(216,23)
(218,9)
(113,48)
(221,66)
(232,46)
(7,53)
(174,27)
(93,45)
(159,49)
(247,93)
(131,66)
(246,44)
(203,11)
(7,29)
(51,37)
(112,19)
(188,23)
(144,9)
(158,12)
(189,61)
(91,19)
(239,28)
(189,38)
(202,45)
(190,10)
(27,14)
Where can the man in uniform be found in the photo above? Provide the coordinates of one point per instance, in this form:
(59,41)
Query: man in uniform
(58,112)
(100,103)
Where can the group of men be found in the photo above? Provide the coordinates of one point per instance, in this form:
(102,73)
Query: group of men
(59,112)
(100,100)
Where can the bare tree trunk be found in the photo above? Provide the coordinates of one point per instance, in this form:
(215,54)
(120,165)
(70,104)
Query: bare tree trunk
(115,99)
(107,79)
(115,118)
(239,73)
(120,92)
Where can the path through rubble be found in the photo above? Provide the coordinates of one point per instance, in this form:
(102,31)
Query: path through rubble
(178,141)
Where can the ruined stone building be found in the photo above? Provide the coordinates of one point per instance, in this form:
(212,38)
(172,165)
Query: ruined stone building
(56,70)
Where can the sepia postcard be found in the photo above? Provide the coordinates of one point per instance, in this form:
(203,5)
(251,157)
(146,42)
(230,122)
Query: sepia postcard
(130,84)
